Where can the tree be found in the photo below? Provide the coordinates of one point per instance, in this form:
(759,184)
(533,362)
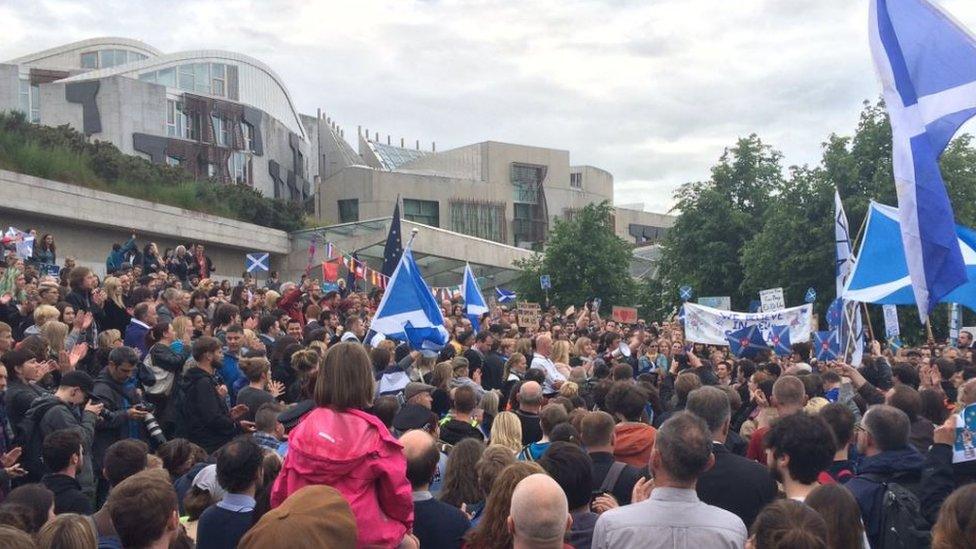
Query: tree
(584,259)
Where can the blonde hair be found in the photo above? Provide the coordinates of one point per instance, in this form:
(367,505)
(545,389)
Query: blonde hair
(55,332)
(524,346)
(569,389)
(489,403)
(443,373)
(271,298)
(67,531)
(560,351)
(44,314)
(107,338)
(113,290)
(580,344)
(506,431)
(345,379)
(181,325)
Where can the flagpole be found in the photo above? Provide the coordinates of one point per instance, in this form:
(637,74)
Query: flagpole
(867,320)
(413,234)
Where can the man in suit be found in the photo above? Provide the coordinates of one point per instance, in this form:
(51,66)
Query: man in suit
(143,319)
(734,483)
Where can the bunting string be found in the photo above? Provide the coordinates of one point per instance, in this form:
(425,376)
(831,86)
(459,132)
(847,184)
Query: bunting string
(362,271)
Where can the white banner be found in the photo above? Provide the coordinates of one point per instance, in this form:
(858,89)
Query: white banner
(711,326)
(891,321)
(717,302)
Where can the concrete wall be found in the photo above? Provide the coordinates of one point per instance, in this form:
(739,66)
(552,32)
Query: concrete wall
(624,217)
(86,222)
(9,88)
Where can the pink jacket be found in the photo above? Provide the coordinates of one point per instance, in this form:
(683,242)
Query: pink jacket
(353,452)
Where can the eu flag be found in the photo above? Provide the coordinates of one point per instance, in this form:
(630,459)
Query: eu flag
(394,245)
(747,342)
(779,340)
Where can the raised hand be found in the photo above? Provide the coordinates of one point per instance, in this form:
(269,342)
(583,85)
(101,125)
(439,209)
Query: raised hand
(11,457)
(78,353)
(239,411)
(276,388)
(642,490)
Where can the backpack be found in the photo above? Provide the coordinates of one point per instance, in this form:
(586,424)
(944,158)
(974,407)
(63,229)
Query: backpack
(32,439)
(902,525)
(155,380)
(609,481)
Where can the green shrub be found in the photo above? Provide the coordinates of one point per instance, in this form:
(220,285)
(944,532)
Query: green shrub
(63,154)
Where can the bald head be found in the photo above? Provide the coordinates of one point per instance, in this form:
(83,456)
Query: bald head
(530,396)
(543,345)
(539,515)
(420,450)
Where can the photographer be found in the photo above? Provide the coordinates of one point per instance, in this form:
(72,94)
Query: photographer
(124,413)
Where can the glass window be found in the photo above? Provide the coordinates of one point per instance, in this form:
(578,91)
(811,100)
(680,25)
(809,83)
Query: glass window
(25,96)
(192,130)
(89,60)
(247,132)
(148,77)
(221,129)
(481,219)
(201,77)
(576,180)
(171,118)
(526,180)
(173,161)
(35,101)
(211,169)
(167,77)
(422,211)
(186,77)
(238,165)
(349,210)
(218,72)
(134,56)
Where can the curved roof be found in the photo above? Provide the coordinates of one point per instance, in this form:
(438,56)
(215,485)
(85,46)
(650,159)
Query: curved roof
(85,45)
(292,119)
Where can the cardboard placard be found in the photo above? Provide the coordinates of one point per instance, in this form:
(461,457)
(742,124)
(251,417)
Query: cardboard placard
(772,300)
(528,313)
(624,315)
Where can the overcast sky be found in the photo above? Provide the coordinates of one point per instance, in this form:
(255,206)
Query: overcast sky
(650,90)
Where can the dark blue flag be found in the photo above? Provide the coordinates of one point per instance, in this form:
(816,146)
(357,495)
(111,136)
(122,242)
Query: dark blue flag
(779,340)
(747,342)
(394,245)
(826,345)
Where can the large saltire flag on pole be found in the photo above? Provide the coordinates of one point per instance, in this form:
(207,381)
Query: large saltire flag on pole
(408,311)
(927,65)
(474,302)
(842,243)
(880,274)
(851,327)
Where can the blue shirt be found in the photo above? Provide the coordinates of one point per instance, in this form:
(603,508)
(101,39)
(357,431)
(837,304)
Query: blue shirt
(223,525)
(230,372)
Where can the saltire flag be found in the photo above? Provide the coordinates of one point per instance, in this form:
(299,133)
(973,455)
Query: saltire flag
(880,273)
(474,302)
(504,296)
(408,310)
(826,345)
(779,340)
(747,342)
(842,244)
(257,261)
(927,65)
(394,245)
(330,271)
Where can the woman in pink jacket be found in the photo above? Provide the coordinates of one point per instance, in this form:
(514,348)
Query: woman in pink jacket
(339,445)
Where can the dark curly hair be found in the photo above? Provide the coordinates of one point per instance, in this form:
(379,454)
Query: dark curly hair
(807,440)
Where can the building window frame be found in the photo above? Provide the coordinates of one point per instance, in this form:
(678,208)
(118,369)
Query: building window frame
(426,212)
(576,180)
(348,210)
(239,167)
(89,55)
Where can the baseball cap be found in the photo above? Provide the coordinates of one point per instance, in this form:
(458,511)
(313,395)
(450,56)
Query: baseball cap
(79,379)
(206,479)
(414,388)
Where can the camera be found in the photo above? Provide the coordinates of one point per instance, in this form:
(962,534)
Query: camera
(152,426)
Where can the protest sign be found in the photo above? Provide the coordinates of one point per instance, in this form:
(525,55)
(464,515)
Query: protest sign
(723,303)
(964,448)
(891,321)
(528,313)
(624,315)
(712,326)
(772,299)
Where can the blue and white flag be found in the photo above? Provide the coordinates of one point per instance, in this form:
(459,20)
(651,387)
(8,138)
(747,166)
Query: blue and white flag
(474,302)
(826,345)
(257,261)
(880,274)
(842,244)
(504,296)
(927,66)
(779,340)
(408,311)
(747,342)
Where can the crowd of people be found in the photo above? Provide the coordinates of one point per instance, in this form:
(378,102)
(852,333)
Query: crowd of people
(156,407)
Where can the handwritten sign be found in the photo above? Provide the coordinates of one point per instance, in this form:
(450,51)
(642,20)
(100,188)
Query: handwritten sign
(772,299)
(624,315)
(528,313)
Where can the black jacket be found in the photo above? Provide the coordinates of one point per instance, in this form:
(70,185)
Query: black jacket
(204,416)
(454,431)
(115,423)
(18,400)
(625,482)
(736,484)
(163,356)
(48,413)
(492,372)
(116,318)
(531,427)
(68,497)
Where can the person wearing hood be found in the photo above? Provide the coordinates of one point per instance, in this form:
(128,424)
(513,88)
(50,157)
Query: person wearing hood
(460,422)
(339,444)
(634,437)
(205,417)
(882,438)
(553,414)
(124,413)
(67,408)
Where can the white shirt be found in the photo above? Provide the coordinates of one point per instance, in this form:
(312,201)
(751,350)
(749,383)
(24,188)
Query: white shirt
(552,374)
